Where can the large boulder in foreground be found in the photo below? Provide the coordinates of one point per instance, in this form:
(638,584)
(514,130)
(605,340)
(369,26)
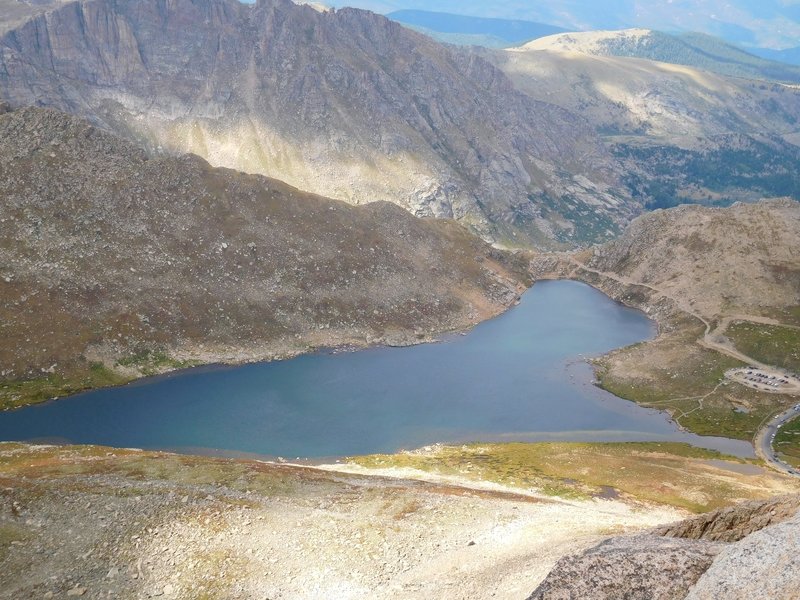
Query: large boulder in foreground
(747,551)
(765,565)
(634,568)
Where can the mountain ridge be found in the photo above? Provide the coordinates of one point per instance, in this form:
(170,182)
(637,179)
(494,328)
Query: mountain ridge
(343,103)
(691,49)
(446,26)
(114,261)
(767,24)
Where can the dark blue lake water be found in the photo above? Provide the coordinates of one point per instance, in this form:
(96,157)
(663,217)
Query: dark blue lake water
(517,377)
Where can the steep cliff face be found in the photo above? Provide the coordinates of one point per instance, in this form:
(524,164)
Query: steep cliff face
(108,253)
(343,103)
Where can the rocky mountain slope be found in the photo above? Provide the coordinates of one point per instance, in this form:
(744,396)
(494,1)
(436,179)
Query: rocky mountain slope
(691,49)
(101,522)
(342,103)
(109,254)
(632,96)
(743,257)
(689,563)
(681,134)
(14,13)
(703,273)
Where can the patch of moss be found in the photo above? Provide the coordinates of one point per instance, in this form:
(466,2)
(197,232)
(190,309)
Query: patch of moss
(21,392)
(696,394)
(34,462)
(666,473)
(787,442)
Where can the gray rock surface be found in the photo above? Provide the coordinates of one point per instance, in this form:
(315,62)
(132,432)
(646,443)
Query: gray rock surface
(733,523)
(629,568)
(698,559)
(765,565)
(343,103)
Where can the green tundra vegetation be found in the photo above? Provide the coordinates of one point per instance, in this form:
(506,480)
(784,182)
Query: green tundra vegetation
(671,473)
(771,344)
(21,392)
(715,177)
(787,442)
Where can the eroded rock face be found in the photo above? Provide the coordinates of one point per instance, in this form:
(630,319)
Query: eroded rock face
(633,568)
(342,103)
(733,523)
(764,565)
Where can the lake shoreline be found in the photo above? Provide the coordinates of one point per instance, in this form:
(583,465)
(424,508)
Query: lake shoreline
(580,385)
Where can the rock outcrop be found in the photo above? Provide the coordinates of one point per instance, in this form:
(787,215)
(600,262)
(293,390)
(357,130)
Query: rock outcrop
(107,252)
(342,103)
(741,552)
(733,523)
(634,568)
(764,565)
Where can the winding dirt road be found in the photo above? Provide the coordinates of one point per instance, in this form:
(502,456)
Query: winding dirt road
(715,340)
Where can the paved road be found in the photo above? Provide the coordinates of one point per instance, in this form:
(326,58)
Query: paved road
(763,440)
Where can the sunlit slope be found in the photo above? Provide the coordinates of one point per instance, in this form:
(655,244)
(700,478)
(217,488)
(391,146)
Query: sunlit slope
(634,96)
(697,50)
(345,103)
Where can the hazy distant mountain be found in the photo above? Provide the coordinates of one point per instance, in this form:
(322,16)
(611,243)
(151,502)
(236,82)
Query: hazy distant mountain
(762,23)
(344,103)
(683,135)
(691,49)
(461,29)
(788,55)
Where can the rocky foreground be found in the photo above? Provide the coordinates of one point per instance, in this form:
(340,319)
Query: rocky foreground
(104,523)
(748,551)
(109,523)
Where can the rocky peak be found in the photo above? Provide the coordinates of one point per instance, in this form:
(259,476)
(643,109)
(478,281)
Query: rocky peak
(344,103)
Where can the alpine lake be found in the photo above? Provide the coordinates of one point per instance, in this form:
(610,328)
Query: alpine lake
(521,376)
